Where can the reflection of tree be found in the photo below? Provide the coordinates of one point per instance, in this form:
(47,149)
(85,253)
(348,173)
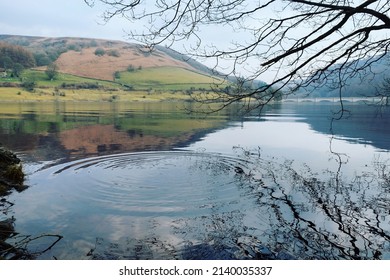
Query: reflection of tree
(298,214)
(12,244)
(20,250)
(282,211)
(324,217)
(16,246)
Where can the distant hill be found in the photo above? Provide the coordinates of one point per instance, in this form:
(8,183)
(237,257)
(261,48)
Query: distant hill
(98,58)
(101,59)
(364,83)
(127,66)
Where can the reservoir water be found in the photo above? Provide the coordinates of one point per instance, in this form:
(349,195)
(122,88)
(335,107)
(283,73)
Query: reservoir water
(150,181)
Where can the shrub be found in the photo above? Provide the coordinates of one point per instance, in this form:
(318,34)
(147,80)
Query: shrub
(93,44)
(81,86)
(114,53)
(117,75)
(100,52)
(74,47)
(113,98)
(51,71)
(29,85)
(42,59)
(130,68)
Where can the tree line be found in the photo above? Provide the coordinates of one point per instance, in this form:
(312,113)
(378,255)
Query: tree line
(14,59)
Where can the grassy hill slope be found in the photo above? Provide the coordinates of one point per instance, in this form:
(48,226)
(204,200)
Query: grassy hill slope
(116,68)
(167,78)
(118,57)
(95,58)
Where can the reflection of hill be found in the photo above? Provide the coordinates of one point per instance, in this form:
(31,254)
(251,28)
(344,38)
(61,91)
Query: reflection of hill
(93,140)
(103,139)
(51,131)
(362,124)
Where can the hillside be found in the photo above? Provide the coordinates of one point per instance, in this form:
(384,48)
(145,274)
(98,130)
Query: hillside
(97,58)
(134,67)
(119,57)
(363,82)
(114,67)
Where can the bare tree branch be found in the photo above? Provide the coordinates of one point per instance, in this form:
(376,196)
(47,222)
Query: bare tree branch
(301,41)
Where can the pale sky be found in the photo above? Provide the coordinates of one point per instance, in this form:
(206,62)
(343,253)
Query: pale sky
(70,18)
(74,18)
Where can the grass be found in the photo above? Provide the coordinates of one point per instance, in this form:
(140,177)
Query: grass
(42,80)
(150,84)
(48,94)
(168,79)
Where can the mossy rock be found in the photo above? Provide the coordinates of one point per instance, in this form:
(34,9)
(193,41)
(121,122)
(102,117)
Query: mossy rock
(11,177)
(11,173)
(6,228)
(14,173)
(8,158)
(4,189)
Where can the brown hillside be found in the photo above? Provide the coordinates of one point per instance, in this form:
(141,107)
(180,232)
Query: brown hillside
(99,139)
(77,55)
(86,64)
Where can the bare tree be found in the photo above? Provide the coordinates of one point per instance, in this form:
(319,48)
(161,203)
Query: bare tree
(301,42)
(384,92)
(52,71)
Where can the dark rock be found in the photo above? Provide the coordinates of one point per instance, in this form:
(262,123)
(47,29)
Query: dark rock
(11,173)
(6,228)
(8,158)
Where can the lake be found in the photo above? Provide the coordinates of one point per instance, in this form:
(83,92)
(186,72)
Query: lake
(151,181)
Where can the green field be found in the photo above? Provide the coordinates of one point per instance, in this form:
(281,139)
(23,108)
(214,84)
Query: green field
(149,84)
(42,80)
(158,78)
(167,79)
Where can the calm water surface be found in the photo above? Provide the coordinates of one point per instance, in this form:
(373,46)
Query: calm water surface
(148,181)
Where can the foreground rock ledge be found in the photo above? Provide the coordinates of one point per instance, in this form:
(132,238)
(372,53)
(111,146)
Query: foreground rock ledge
(11,178)
(11,173)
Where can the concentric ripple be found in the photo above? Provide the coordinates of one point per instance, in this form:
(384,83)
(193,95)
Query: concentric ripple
(155,183)
(137,196)
(189,205)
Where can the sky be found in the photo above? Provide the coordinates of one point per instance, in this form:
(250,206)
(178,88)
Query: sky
(74,18)
(70,18)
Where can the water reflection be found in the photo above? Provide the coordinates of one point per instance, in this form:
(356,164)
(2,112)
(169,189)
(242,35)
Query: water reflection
(186,205)
(292,192)
(47,131)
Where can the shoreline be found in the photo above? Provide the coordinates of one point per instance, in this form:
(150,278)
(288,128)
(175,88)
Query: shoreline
(11,179)
(10,94)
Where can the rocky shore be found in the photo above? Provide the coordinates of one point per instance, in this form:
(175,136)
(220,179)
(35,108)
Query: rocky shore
(11,173)
(11,178)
